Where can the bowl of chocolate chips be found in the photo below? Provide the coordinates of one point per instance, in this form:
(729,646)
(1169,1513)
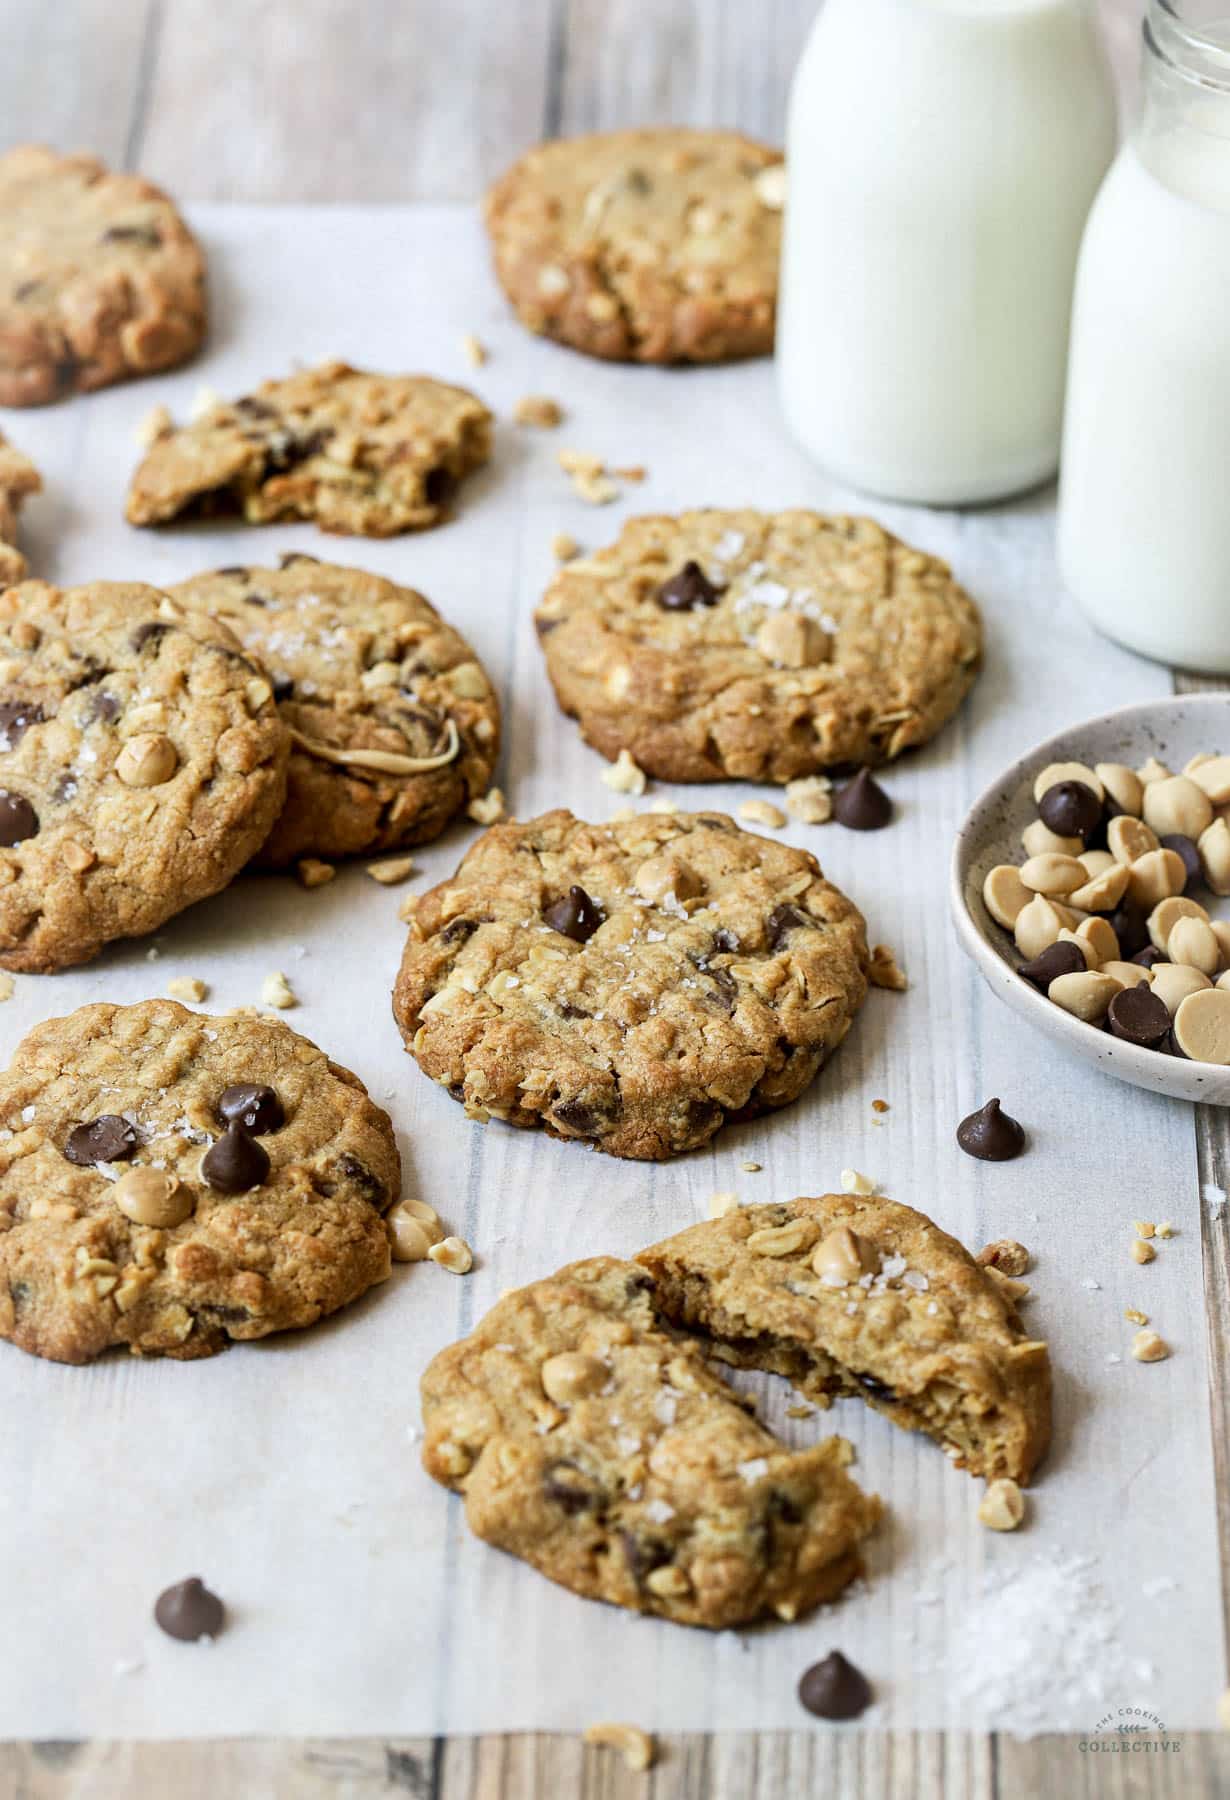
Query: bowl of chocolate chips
(1091,885)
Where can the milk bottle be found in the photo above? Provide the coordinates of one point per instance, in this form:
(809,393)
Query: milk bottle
(942,157)
(1144,530)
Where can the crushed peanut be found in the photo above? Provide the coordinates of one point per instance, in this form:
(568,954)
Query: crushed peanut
(413,1228)
(751,1168)
(810,799)
(852,1182)
(722,1204)
(1147,1346)
(1002,1506)
(155,424)
(883,971)
(799,1410)
(489,809)
(454,1254)
(1165,1229)
(1141,1252)
(595,490)
(540,411)
(634,1745)
(6,985)
(624,775)
(391,870)
(564,547)
(1145,1228)
(187,987)
(277,991)
(474,351)
(763,812)
(1008,1286)
(1134,1316)
(1006,1255)
(312,873)
(636,472)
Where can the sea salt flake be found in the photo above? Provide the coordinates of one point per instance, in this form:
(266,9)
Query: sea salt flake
(754,1469)
(659,1511)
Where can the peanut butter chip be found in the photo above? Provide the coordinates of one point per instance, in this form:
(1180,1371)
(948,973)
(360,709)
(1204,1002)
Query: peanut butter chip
(413,1228)
(1202,1026)
(663,875)
(842,1256)
(153,1197)
(146,760)
(1147,1346)
(571,1375)
(1005,895)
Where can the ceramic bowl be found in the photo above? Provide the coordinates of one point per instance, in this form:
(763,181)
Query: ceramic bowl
(1173,730)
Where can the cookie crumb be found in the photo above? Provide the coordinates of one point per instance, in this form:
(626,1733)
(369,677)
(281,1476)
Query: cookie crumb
(1134,1316)
(637,472)
(540,411)
(203,402)
(763,812)
(720,1205)
(454,1254)
(595,490)
(853,1182)
(1002,1506)
(1008,1286)
(1147,1346)
(6,985)
(277,991)
(408,909)
(187,987)
(564,547)
(883,971)
(751,1168)
(155,424)
(810,799)
(489,809)
(635,1746)
(624,775)
(474,351)
(312,873)
(770,186)
(798,1409)
(391,870)
(1142,1252)
(580,462)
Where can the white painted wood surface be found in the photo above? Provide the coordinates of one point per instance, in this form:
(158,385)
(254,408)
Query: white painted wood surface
(256,101)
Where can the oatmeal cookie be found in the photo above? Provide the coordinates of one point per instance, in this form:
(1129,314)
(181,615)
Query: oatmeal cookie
(633,985)
(845,1295)
(142,763)
(174,1182)
(654,246)
(18,478)
(757,646)
(610,1457)
(365,455)
(395,725)
(100,278)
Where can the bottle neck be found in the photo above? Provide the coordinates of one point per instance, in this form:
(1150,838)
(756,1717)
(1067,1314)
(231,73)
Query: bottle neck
(1183,132)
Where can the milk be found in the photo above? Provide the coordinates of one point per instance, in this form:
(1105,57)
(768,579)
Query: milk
(942,158)
(1144,532)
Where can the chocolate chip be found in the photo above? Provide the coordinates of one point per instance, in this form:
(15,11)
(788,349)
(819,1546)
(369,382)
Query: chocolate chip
(189,1611)
(688,589)
(288,556)
(1070,809)
(18,819)
(259,409)
(571,1489)
(458,930)
(439,486)
(785,919)
(575,915)
(368,1185)
(283,687)
(643,1555)
(1131,928)
(862,804)
(106,1139)
(879,1390)
(835,1689)
(990,1134)
(235,1162)
(257,1108)
(1187,851)
(236,569)
(146,235)
(1139,1016)
(1149,957)
(725,943)
(585,1120)
(100,709)
(16,718)
(1056,959)
(148,632)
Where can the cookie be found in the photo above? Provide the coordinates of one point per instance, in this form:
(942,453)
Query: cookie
(100,278)
(850,1296)
(395,726)
(174,1182)
(366,455)
(757,646)
(631,985)
(654,246)
(592,1445)
(142,763)
(18,478)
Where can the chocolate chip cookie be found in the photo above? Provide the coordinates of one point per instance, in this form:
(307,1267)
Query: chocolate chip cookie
(632,985)
(142,762)
(18,479)
(366,455)
(610,1457)
(653,246)
(395,726)
(100,278)
(758,646)
(173,1182)
(850,1296)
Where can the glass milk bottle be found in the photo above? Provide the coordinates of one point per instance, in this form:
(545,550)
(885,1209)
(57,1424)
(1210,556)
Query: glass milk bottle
(942,157)
(1144,521)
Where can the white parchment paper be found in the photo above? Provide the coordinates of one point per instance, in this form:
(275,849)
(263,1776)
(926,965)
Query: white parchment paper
(285,1473)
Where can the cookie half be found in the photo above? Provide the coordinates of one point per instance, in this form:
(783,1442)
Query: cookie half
(142,764)
(175,1182)
(631,985)
(100,278)
(366,455)
(758,646)
(653,246)
(395,725)
(865,1297)
(590,1443)
(18,479)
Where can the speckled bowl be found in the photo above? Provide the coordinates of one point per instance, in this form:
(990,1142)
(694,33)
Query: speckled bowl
(1172,730)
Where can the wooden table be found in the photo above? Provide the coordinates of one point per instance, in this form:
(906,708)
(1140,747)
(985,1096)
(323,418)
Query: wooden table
(394,100)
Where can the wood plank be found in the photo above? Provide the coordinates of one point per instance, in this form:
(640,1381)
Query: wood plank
(391,100)
(73,74)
